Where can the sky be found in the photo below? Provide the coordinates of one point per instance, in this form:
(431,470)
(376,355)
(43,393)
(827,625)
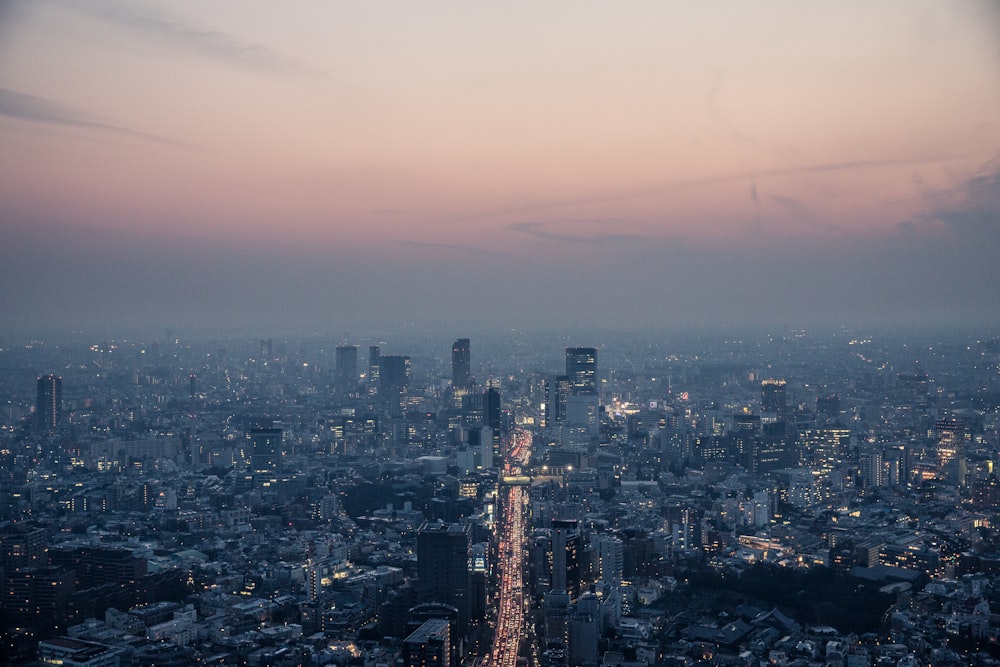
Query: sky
(314,166)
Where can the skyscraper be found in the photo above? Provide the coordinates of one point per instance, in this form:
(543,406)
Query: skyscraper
(374,369)
(48,407)
(347,367)
(461,364)
(566,556)
(429,644)
(581,367)
(443,565)
(394,381)
(265,450)
(773,406)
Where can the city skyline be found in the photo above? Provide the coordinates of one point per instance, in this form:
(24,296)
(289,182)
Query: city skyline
(328,168)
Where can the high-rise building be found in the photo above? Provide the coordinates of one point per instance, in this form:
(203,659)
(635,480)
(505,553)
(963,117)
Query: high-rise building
(48,406)
(566,552)
(773,399)
(347,367)
(443,565)
(374,370)
(461,364)
(21,546)
(265,450)
(610,559)
(492,409)
(394,381)
(429,645)
(581,367)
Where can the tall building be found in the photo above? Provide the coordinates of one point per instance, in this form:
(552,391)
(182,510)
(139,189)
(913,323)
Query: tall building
(773,399)
(429,645)
(21,546)
(265,450)
(461,364)
(374,370)
(48,406)
(443,565)
(610,559)
(566,555)
(492,409)
(581,368)
(394,381)
(347,367)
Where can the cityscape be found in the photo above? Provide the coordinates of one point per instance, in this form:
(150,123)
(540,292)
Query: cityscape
(794,498)
(521,334)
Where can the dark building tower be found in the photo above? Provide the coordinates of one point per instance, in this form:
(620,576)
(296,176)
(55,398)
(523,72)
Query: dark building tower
(430,644)
(394,381)
(265,450)
(581,368)
(461,364)
(443,565)
(492,409)
(566,556)
(774,402)
(48,407)
(374,369)
(347,367)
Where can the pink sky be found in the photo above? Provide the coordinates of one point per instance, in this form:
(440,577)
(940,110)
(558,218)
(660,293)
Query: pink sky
(426,131)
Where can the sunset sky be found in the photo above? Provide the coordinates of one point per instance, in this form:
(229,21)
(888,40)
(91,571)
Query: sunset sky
(331,166)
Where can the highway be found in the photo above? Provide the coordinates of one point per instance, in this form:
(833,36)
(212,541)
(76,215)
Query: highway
(514,501)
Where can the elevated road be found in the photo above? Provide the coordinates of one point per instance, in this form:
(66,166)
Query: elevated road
(514,499)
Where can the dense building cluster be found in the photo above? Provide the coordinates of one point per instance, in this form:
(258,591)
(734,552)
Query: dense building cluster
(800,499)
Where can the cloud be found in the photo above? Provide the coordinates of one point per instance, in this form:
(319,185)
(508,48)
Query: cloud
(207,42)
(472,250)
(543,231)
(721,179)
(974,208)
(21,106)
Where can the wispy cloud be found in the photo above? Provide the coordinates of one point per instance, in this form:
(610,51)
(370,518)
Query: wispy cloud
(21,106)
(543,231)
(205,41)
(721,179)
(472,250)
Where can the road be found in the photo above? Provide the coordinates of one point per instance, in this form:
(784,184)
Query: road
(514,504)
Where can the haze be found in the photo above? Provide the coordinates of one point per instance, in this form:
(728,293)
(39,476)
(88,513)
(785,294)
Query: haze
(331,166)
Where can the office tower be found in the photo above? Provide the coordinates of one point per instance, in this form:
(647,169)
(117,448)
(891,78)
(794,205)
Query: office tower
(192,385)
(430,644)
(566,552)
(610,559)
(461,364)
(347,367)
(581,368)
(773,400)
(394,381)
(21,546)
(557,390)
(48,406)
(374,366)
(265,450)
(38,599)
(492,412)
(443,565)
(266,349)
(873,470)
